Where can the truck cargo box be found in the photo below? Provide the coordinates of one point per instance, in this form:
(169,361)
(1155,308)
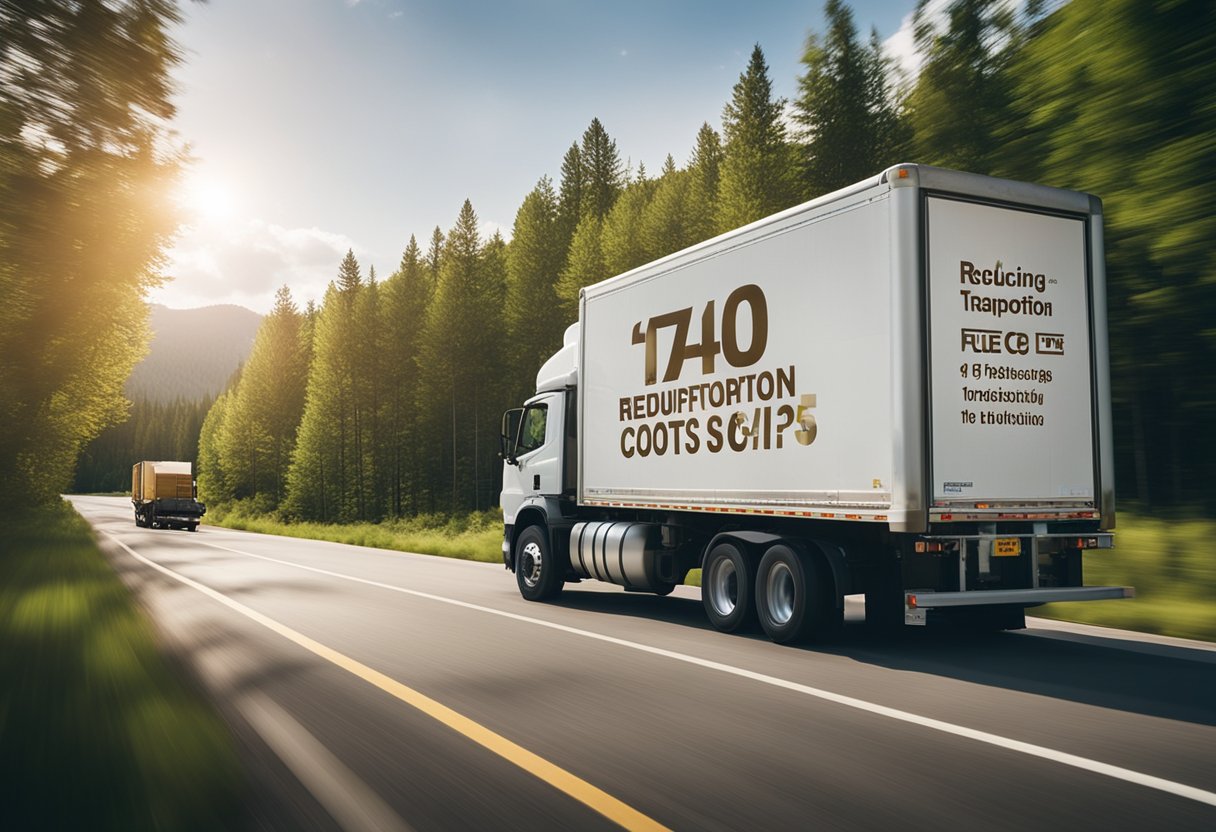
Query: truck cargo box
(924,346)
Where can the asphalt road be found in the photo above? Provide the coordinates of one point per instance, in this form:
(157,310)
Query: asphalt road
(379,690)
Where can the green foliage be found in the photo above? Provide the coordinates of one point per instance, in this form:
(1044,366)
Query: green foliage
(705,174)
(584,264)
(465,536)
(602,174)
(99,731)
(621,237)
(258,432)
(84,220)
(405,297)
(666,223)
(154,430)
(849,120)
(757,169)
(460,353)
(962,99)
(1169,563)
(534,318)
(1118,98)
(213,486)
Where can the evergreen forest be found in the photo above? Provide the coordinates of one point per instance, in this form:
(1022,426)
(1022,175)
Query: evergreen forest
(385,401)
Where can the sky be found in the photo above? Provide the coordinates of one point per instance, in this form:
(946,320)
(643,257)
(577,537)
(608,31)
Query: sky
(317,126)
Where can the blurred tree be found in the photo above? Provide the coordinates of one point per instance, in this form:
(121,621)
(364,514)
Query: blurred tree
(1119,99)
(844,106)
(757,176)
(963,96)
(85,217)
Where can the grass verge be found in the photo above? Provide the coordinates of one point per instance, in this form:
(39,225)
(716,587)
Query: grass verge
(473,536)
(97,729)
(1169,562)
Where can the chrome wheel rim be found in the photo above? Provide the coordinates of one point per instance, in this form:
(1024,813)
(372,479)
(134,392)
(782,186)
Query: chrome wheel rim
(723,587)
(530,563)
(780,590)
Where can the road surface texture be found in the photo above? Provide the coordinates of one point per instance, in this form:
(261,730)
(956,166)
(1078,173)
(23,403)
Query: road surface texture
(379,690)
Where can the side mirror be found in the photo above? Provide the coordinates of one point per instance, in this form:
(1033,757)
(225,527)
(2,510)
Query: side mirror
(508,439)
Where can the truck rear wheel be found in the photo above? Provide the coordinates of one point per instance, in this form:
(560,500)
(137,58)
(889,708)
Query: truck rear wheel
(795,596)
(539,578)
(728,581)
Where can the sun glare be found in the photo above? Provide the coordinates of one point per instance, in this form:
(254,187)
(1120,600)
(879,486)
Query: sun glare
(205,197)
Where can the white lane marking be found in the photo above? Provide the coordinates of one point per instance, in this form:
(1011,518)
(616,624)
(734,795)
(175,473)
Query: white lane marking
(1061,757)
(349,800)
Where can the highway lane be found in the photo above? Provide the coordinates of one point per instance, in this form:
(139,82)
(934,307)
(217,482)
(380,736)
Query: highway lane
(669,720)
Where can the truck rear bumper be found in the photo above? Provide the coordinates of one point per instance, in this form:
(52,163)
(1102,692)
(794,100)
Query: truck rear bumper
(916,604)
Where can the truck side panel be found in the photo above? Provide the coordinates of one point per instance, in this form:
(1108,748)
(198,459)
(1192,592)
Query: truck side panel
(754,371)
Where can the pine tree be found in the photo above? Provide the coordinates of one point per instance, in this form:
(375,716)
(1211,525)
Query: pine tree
(757,165)
(406,296)
(621,238)
(666,224)
(534,317)
(213,485)
(584,265)
(461,359)
(835,106)
(603,177)
(963,95)
(266,406)
(704,169)
(328,477)
(570,198)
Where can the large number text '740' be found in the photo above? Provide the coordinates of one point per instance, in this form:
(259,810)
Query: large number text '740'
(709,346)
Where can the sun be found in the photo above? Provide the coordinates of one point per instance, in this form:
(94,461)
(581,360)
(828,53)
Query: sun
(205,197)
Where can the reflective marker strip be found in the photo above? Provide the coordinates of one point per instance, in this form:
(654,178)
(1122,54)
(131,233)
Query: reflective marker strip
(1061,757)
(562,780)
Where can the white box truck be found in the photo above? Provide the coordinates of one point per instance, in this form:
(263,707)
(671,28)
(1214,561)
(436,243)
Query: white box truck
(899,389)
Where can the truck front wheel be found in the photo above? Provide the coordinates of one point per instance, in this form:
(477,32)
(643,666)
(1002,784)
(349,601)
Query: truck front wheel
(795,596)
(539,578)
(728,581)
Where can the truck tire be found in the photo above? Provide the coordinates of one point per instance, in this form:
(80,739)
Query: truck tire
(538,576)
(796,596)
(728,586)
(193,527)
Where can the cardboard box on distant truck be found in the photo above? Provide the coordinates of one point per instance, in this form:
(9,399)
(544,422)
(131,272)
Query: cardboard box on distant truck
(165,495)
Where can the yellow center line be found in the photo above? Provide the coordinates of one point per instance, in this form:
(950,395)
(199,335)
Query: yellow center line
(570,784)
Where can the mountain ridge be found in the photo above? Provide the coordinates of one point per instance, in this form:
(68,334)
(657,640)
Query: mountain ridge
(193,352)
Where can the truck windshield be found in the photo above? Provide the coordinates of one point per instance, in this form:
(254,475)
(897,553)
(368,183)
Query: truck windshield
(532,432)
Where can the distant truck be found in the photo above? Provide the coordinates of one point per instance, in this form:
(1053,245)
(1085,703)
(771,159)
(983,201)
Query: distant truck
(165,496)
(899,389)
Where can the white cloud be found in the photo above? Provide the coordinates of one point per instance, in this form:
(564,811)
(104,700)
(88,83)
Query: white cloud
(245,264)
